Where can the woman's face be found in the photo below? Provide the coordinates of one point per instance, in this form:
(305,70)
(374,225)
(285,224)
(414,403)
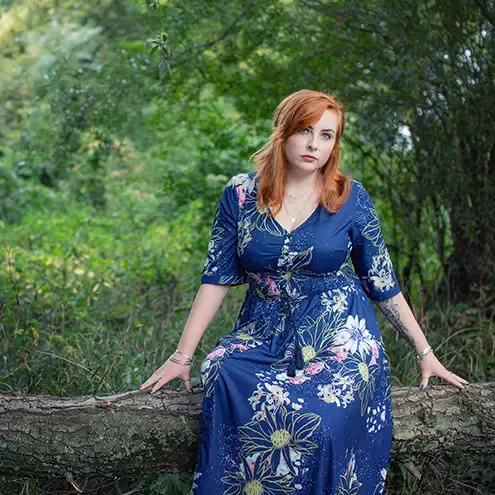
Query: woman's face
(310,148)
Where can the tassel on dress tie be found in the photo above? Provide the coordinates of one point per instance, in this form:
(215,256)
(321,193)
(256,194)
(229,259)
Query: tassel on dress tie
(297,360)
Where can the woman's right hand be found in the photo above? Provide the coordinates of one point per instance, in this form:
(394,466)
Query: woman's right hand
(166,372)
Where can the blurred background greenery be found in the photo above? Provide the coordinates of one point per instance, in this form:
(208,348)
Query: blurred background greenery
(122,120)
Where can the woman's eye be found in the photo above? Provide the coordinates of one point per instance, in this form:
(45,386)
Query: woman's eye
(329,136)
(304,130)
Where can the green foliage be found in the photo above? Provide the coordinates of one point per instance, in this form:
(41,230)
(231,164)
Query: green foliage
(98,275)
(223,144)
(79,92)
(172,484)
(17,196)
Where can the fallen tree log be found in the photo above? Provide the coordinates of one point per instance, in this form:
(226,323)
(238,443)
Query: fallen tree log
(134,432)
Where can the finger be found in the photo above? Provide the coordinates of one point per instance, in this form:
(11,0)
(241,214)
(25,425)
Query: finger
(148,383)
(424,382)
(453,379)
(152,379)
(460,379)
(188,385)
(160,383)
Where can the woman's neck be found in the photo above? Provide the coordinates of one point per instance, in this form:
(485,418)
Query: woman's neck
(300,183)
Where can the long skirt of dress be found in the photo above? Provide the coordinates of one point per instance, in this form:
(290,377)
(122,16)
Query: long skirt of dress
(297,396)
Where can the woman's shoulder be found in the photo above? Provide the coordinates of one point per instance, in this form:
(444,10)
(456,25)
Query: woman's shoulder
(356,186)
(359,199)
(364,205)
(358,193)
(243,180)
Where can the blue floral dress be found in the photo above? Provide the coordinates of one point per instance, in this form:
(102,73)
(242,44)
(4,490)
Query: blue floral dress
(297,396)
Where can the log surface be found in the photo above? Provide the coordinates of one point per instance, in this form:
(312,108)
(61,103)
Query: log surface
(134,432)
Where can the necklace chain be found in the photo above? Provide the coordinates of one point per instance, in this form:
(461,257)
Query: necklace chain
(292,218)
(292,198)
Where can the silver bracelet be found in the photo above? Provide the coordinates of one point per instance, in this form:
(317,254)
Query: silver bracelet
(185,355)
(189,363)
(428,349)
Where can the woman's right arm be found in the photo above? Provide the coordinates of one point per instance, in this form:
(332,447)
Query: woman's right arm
(205,306)
(221,270)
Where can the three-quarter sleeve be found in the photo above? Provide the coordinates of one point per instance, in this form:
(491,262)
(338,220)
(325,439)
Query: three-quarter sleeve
(369,253)
(222,264)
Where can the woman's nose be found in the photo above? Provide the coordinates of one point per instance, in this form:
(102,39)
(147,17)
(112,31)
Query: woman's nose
(312,143)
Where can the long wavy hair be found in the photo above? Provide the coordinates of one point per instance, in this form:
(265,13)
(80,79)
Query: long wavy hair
(294,113)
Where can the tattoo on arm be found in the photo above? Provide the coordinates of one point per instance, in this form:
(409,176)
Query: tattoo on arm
(388,308)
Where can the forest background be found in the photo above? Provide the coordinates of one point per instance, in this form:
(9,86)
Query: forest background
(120,123)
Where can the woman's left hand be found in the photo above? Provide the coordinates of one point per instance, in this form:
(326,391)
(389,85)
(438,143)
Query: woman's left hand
(431,366)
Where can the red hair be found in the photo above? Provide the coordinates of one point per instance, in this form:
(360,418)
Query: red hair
(294,113)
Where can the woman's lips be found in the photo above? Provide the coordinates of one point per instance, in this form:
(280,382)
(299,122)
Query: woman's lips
(308,158)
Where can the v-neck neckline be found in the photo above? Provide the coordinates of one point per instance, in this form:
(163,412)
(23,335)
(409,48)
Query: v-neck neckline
(276,222)
(290,232)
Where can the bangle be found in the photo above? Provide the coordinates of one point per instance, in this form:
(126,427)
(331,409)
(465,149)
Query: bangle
(428,349)
(189,363)
(185,355)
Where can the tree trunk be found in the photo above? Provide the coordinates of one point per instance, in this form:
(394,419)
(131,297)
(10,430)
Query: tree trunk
(471,265)
(134,433)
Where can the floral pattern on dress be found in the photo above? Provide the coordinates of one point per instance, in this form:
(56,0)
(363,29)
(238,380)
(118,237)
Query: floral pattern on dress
(349,483)
(243,338)
(280,436)
(255,477)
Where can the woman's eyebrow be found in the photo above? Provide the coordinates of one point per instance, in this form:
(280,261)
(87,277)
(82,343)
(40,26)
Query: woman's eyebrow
(323,130)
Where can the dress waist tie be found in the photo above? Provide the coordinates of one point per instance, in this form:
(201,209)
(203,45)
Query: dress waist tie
(296,359)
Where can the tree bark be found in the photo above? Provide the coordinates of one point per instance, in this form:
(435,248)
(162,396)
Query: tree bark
(134,433)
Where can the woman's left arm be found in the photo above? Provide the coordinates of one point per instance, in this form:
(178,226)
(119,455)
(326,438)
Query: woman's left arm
(399,314)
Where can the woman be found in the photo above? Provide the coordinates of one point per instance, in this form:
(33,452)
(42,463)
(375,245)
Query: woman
(297,395)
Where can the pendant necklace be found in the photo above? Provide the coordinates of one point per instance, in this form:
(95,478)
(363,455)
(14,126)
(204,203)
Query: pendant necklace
(292,198)
(293,217)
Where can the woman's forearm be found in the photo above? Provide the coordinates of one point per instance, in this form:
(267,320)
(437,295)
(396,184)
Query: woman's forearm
(399,314)
(204,308)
